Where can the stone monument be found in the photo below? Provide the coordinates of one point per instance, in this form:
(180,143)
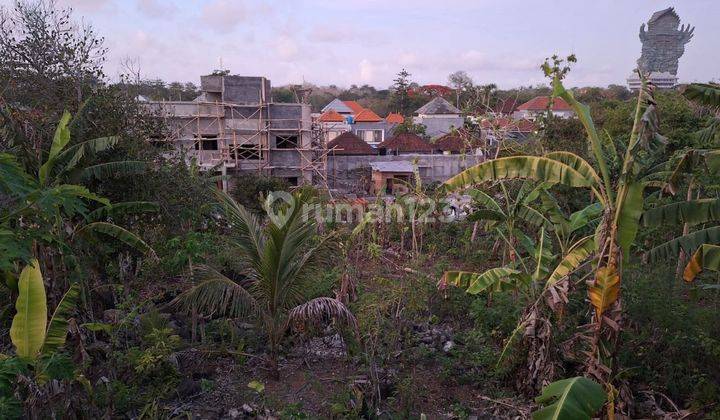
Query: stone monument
(663,43)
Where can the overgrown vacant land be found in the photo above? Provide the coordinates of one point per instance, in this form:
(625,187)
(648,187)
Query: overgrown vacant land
(570,275)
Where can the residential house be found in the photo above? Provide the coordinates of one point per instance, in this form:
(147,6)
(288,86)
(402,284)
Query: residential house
(540,105)
(392,177)
(405,143)
(439,117)
(333,124)
(505,106)
(340,116)
(348,144)
(394,118)
(458,142)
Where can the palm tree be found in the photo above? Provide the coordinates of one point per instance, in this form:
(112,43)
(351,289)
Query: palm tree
(280,262)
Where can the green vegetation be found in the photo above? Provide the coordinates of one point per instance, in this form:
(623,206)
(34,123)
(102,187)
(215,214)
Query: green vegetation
(134,288)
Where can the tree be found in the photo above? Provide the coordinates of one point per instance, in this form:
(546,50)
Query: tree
(620,195)
(699,165)
(280,262)
(48,215)
(408,126)
(400,99)
(47,62)
(461,81)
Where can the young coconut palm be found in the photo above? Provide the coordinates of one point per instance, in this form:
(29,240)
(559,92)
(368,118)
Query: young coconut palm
(280,262)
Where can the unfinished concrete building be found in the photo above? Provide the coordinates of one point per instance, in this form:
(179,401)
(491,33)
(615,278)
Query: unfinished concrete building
(235,127)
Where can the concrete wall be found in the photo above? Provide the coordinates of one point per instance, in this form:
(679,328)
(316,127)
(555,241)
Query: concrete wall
(345,172)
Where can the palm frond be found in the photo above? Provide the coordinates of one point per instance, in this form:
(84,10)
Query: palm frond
(58,327)
(119,233)
(113,169)
(217,294)
(13,179)
(321,309)
(124,208)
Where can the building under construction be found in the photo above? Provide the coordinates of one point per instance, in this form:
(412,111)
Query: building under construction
(235,127)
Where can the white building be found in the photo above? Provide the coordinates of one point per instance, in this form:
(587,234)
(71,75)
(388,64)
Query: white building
(439,117)
(540,105)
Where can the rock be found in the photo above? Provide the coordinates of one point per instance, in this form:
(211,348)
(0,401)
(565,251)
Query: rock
(112,316)
(448,346)
(234,413)
(246,408)
(188,387)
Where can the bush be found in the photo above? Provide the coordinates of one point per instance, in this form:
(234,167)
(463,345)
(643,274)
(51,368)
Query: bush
(671,341)
(251,187)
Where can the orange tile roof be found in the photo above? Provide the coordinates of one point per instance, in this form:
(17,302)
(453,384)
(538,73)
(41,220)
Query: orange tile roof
(356,107)
(331,116)
(367,115)
(540,103)
(394,118)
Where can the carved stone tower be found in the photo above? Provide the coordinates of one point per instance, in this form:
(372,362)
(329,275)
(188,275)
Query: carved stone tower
(663,43)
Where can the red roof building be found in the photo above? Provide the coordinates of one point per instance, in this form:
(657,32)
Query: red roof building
(457,142)
(331,116)
(406,143)
(356,107)
(349,144)
(394,118)
(508,124)
(506,106)
(540,105)
(367,115)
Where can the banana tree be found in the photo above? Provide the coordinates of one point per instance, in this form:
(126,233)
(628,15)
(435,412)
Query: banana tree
(504,216)
(543,279)
(697,166)
(566,228)
(55,213)
(570,399)
(620,196)
(36,341)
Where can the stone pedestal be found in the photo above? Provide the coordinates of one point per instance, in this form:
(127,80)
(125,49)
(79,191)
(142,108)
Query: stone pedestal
(662,80)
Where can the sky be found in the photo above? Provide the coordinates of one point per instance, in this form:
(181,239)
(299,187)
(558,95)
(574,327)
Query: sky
(368,41)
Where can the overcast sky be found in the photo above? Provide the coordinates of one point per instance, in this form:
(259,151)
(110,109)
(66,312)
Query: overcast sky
(369,41)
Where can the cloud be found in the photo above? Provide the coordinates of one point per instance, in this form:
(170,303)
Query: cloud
(156,8)
(408,59)
(367,70)
(224,15)
(88,5)
(286,47)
